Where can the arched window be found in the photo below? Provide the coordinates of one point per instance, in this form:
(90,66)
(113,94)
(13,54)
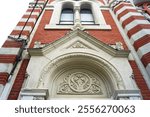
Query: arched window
(67,16)
(86,16)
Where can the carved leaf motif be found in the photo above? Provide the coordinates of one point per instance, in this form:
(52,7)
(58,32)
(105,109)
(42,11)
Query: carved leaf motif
(78,45)
(95,89)
(64,88)
(80,83)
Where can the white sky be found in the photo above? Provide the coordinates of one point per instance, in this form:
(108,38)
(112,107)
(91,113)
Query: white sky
(11,12)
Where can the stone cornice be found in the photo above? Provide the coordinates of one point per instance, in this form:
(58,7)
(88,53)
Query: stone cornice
(106,48)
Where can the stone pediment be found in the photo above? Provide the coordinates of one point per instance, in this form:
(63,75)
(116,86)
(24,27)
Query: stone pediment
(80,38)
(78,44)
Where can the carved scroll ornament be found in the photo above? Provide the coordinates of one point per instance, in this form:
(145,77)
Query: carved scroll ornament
(80,83)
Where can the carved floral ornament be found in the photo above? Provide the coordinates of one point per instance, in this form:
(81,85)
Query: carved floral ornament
(113,73)
(80,83)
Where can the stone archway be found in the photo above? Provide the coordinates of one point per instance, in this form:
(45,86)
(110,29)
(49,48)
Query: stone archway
(79,81)
(80,76)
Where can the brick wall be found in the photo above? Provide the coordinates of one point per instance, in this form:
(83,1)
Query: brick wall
(140,81)
(18,81)
(108,36)
(137,27)
(46,36)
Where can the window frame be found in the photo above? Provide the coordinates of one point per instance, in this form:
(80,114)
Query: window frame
(86,12)
(56,8)
(66,11)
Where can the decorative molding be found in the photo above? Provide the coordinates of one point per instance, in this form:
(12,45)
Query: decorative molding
(85,36)
(78,44)
(79,26)
(115,77)
(36,94)
(80,84)
(117,46)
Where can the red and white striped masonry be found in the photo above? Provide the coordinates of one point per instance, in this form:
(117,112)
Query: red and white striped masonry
(10,48)
(31,22)
(137,28)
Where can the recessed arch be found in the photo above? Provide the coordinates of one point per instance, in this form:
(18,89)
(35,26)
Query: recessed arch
(85,5)
(83,63)
(67,5)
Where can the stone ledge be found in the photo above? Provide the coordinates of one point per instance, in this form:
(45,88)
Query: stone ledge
(35,94)
(99,26)
(127,94)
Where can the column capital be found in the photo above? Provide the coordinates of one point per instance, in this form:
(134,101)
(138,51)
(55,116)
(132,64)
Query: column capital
(77,8)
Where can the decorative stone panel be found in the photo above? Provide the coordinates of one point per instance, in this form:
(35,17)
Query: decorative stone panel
(80,83)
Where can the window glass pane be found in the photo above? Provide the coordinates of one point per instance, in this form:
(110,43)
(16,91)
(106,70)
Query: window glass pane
(86,16)
(66,16)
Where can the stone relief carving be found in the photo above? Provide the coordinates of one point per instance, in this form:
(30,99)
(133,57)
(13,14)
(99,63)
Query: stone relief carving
(78,45)
(104,63)
(80,83)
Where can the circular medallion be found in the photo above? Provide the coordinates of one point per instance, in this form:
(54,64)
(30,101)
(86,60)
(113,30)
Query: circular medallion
(79,82)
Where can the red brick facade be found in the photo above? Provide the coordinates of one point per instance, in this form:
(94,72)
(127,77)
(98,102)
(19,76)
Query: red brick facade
(18,81)
(140,81)
(12,44)
(108,36)
(7,58)
(46,36)
(3,78)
